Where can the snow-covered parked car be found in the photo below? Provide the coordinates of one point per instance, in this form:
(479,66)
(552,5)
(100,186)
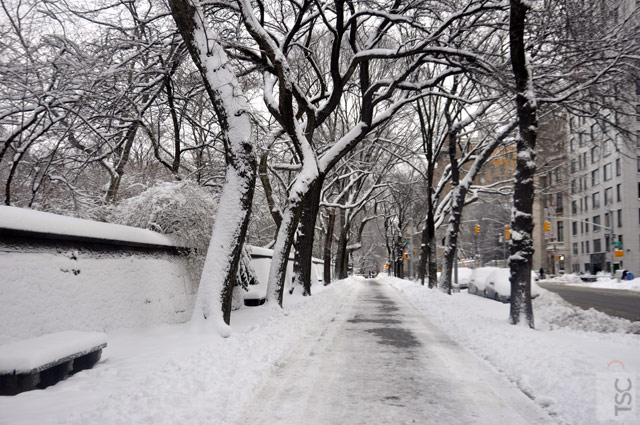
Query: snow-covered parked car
(477,279)
(498,286)
(261,262)
(464,276)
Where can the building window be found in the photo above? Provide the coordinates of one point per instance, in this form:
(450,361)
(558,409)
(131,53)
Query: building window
(586,246)
(597,245)
(581,247)
(637,112)
(595,154)
(620,219)
(607,175)
(574,228)
(595,177)
(580,140)
(638,162)
(596,223)
(595,200)
(619,192)
(573,186)
(586,225)
(574,166)
(608,196)
(607,148)
(559,206)
(606,220)
(560,231)
(575,248)
(586,203)
(618,167)
(574,207)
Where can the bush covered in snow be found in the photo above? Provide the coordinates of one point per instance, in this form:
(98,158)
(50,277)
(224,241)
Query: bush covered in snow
(185,212)
(182,210)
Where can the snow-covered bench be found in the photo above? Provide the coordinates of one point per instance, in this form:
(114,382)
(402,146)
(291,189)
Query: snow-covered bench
(45,360)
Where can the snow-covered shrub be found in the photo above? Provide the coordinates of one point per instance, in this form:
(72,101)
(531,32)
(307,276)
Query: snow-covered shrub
(185,212)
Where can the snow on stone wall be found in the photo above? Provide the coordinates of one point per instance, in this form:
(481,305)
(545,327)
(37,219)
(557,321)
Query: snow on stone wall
(42,292)
(46,287)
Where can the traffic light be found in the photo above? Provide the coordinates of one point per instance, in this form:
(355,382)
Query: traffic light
(507,233)
(547,226)
(477,229)
(405,256)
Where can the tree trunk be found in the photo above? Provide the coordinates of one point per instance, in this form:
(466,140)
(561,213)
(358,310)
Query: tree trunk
(215,292)
(327,246)
(458,193)
(305,237)
(342,256)
(522,216)
(281,250)
(123,160)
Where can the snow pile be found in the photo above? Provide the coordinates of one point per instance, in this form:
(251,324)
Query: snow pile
(571,277)
(176,375)
(608,283)
(556,364)
(552,312)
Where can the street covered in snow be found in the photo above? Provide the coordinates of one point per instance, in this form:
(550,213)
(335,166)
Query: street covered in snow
(358,351)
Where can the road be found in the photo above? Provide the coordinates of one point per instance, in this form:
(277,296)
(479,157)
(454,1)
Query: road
(378,360)
(614,302)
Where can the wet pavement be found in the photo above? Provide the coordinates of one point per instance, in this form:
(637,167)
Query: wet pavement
(379,361)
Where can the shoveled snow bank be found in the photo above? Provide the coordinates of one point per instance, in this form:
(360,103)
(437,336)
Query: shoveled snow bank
(38,221)
(557,364)
(605,283)
(172,374)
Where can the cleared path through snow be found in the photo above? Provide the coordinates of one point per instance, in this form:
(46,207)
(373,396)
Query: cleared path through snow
(380,361)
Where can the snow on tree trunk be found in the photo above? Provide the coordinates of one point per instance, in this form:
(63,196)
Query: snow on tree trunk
(521,217)
(214,298)
(281,250)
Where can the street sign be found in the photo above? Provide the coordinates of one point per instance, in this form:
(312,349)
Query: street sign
(618,253)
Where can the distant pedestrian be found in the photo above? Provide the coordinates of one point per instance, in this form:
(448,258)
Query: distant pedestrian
(541,273)
(624,275)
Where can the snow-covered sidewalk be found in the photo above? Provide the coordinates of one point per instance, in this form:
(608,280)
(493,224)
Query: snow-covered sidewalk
(380,361)
(173,375)
(558,365)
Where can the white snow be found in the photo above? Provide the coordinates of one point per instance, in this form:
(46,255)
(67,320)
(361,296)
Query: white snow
(172,374)
(30,354)
(175,374)
(556,364)
(45,292)
(608,283)
(38,221)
